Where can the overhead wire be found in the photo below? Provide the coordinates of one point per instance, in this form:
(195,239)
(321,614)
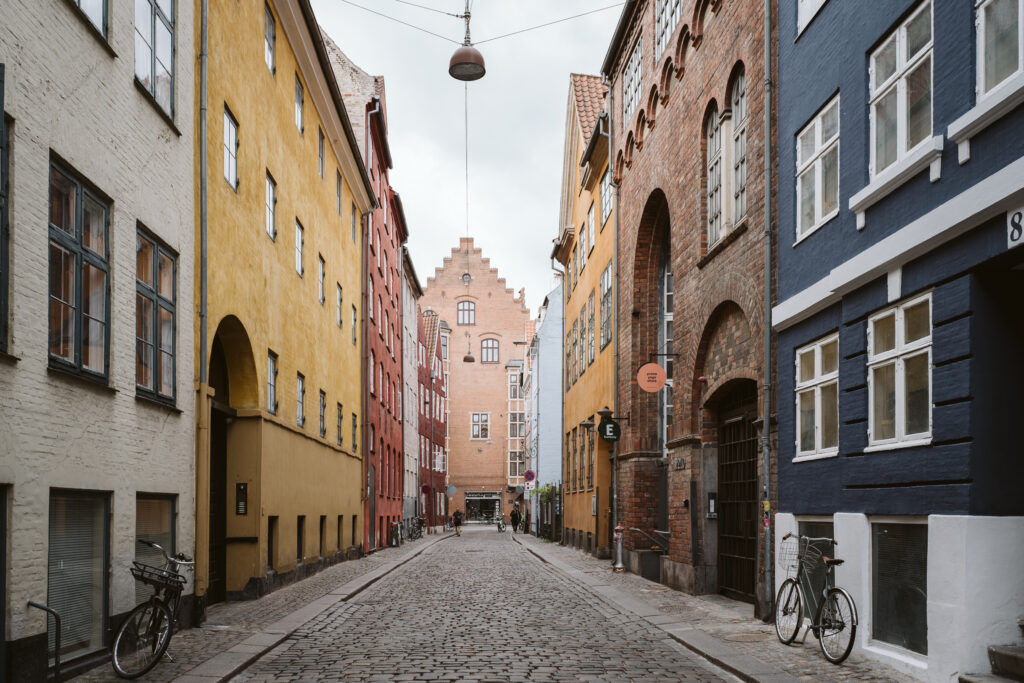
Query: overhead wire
(404,23)
(550,23)
(432,9)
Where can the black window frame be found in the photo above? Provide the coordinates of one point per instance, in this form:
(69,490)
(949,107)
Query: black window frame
(158,301)
(4,226)
(157,14)
(81,254)
(341,423)
(323,414)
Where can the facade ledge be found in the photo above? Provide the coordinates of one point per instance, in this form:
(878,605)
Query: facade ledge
(8,357)
(882,447)
(816,456)
(927,154)
(989,109)
(684,440)
(722,243)
(99,383)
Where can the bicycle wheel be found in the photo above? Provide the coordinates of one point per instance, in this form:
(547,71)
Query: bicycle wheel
(788,612)
(837,626)
(141,640)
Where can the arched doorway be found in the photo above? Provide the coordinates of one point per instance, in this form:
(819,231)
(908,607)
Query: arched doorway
(737,489)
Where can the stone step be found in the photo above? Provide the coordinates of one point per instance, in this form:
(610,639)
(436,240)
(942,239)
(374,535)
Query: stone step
(983,678)
(1007,660)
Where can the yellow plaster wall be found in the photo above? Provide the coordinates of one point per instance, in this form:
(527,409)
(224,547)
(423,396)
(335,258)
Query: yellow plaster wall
(253,277)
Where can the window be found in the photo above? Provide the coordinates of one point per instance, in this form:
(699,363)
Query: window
(480,425)
(607,198)
(899,585)
(323,414)
(739,147)
(341,420)
(575,349)
(271,382)
(78,565)
(489,351)
(999,42)
(805,11)
(631,81)
(572,463)
(817,398)
(320,275)
(666,315)
(373,369)
(666,18)
(320,151)
(581,459)
(95,12)
(607,315)
(901,90)
(355,432)
(899,373)
(515,392)
(4,228)
(516,463)
(79,290)
(590,459)
(568,361)
(269,36)
(300,538)
(337,189)
(444,346)
(154,50)
(300,399)
(154,522)
(353,223)
(713,169)
(355,335)
(467,313)
(338,314)
(230,149)
(589,310)
(590,229)
(298,103)
(154,318)
(271,205)
(369,298)
(817,170)
(299,239)
(583,339)
(516,425)
(582,247)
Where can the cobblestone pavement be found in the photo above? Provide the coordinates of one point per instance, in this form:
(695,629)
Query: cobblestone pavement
(479,608)
(230,623)
(727,620)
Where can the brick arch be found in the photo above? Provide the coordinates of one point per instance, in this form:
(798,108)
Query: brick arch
(700,12)
(630,144)
(238,369)
(653,238)
(682,45)
(620,164)
(641,127)
(652,105)
(666,79)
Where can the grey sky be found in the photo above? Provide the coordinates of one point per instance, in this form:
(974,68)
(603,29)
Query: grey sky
(516,121)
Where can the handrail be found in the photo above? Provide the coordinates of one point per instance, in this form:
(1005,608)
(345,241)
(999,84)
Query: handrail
(656,539)
(56,642)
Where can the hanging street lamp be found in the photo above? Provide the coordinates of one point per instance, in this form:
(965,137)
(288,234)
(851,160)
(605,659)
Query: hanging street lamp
(467,64)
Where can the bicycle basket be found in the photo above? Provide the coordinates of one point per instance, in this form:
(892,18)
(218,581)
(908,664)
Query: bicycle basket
(157,577)
(788,556)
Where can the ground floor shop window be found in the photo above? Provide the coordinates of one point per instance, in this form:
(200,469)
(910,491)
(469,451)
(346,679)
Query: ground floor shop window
(77,573)
(899,580)
(154,522)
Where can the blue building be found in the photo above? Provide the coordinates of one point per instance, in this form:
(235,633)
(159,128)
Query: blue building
(900,316)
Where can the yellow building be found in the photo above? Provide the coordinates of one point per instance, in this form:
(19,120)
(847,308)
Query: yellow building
(278,454)
(585,247)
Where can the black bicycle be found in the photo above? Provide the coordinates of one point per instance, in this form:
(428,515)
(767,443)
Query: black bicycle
(145,634)
(416,528)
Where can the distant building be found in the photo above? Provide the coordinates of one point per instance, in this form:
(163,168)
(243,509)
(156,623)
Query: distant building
(432,394)
(900,317)
(97,401)
(490,321)
(542,388)
(410,390)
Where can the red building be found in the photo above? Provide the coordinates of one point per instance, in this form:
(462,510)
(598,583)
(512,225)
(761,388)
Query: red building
(432,421)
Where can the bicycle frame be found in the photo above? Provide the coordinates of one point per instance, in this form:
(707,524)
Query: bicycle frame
(814,599)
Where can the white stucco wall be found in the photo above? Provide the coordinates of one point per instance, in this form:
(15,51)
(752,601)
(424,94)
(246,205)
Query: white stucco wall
(410,397)
(70,97)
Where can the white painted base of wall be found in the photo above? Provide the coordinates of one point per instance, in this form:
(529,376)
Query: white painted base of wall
(975,589)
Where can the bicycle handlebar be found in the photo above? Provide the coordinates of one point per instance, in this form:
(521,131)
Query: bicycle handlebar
(811,538)
(181,559)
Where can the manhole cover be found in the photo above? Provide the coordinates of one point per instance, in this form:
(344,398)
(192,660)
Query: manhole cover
(746,637)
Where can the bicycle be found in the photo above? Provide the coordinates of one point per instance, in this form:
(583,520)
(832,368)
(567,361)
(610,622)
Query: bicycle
(835,615)
(415,528)
(143,637)
(501,523)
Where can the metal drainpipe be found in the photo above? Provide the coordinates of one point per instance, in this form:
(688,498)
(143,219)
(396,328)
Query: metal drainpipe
(767,382)
(203,64)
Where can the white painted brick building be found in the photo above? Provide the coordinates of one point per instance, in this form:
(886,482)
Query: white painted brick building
(96,364)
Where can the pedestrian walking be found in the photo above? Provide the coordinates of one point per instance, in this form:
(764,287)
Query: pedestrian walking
(515,517)
(457,522)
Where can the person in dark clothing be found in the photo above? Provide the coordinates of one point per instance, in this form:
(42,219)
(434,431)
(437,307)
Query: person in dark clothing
(515,517)
(457,522)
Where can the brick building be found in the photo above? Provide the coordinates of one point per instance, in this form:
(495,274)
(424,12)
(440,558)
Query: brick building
(688,150)
(385,234)
(96,317)
(432,397)
(490,325)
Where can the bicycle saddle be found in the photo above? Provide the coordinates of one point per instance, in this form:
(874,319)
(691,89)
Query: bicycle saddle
(832,561)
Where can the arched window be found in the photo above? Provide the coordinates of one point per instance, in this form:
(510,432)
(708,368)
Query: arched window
(489,351)
(713,138)
(738,102)
(467,313)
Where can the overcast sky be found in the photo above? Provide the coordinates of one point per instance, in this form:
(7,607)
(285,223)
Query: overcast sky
(516,121)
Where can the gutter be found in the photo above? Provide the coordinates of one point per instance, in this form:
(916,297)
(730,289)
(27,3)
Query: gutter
(615,47)
(767,381)
(204,59)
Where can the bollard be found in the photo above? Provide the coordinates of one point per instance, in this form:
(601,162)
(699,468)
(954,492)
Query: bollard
(618,566)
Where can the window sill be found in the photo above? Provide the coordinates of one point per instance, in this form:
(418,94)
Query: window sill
(154,400)
(9,358)
(897,445)
(77,11)
(99,383)
(989,109)
(817,456)
(148,96)
(722,243)
(927,154)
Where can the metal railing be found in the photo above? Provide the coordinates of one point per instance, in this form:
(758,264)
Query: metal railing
(56,643)
(660,540)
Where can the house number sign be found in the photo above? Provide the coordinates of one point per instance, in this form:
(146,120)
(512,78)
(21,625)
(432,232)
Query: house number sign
(1014,228)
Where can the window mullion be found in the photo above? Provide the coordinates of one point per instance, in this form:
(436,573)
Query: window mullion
(900,412)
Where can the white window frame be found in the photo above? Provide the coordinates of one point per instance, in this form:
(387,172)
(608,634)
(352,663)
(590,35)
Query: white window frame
(607,197)
(230,149)
(299,98)
(300,399)
(821,148)
(321,274)
(320,151)
(339,304)
(805,11)
(269,38)
(815,384)
(271,382)
(715,224)
(898,355)
(898,80)
(590,228)
(667,16)
(980,23)
(738,104)
(607,310)
(271,207)
(581,248)
(323,414)
(480,424)
(632,79)
(300,240)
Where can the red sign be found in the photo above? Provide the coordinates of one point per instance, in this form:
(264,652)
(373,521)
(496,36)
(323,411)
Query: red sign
(529,476)
(651,377)
(425,488)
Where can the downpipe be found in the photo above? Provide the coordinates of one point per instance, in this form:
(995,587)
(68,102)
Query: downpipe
(767,381)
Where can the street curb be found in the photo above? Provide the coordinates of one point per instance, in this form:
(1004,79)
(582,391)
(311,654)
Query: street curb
(696,640)
(224,666)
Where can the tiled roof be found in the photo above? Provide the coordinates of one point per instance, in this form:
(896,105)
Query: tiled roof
(589,92)
(430,325)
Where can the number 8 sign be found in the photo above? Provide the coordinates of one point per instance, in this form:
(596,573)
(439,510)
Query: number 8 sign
(1014,228)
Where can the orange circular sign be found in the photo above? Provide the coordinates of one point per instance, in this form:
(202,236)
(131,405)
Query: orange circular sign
(651,377)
